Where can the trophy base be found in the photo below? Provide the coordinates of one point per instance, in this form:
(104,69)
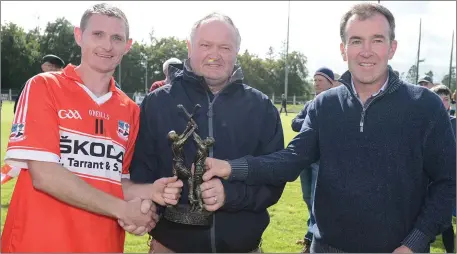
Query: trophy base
(182,214)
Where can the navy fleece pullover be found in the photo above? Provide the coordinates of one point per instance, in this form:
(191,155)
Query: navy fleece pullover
(376,162)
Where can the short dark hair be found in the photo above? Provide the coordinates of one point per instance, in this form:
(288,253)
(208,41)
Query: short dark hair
(441,90)
(106,10)
(365,11)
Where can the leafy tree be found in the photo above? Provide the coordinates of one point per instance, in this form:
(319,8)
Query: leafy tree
(430,74)
(18,56)
(162,50)
(412,74)
(445,80)
(22,52)
(58,39)
(256,72)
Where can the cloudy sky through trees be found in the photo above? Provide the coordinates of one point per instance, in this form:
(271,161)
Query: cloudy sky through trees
(314,26)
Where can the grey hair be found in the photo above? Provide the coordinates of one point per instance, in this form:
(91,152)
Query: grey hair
(170,61)
(220,17)
(106,10)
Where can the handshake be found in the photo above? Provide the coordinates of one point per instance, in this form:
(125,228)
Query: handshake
(139,215)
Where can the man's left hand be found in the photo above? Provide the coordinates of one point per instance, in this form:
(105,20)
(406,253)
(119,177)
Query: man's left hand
(213,194)
(403,249)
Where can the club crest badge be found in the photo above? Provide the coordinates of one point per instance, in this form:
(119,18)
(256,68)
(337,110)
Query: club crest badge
(123,130)
(17,132)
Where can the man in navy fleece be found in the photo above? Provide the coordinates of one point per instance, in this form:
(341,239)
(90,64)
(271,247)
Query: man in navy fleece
(387,154)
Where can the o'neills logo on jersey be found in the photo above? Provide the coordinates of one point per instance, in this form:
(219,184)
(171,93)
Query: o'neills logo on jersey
(123,130)
(92,156)
(98,114)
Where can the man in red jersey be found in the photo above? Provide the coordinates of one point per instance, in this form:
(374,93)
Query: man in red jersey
(73,136)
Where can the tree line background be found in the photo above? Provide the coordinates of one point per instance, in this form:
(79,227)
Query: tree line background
(22,52)
(410,76)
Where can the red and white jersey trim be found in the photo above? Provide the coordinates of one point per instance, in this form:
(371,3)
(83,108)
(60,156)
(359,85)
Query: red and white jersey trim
(23,103)
(18,157)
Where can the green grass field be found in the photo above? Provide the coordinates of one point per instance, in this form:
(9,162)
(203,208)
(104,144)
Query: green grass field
(288,216)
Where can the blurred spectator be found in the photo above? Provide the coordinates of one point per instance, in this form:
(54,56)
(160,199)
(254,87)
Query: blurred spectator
(48,63)
(283,104)
(160,83)
(445,94)
(453,103)
(324,79)
(426,81)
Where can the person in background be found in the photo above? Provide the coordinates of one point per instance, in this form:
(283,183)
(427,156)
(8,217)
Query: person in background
(48,63)
(51,63)
(165,69)
(323,80)
(453,103)
(283,104)
(426,81)
(445,94)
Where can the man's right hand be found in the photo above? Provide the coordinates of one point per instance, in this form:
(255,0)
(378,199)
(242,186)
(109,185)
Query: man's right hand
(139,217)
(215,167)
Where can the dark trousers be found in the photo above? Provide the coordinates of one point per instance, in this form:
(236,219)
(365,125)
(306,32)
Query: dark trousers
(284,106)
(448,239)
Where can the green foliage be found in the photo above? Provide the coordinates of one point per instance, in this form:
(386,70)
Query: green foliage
(268,75)
(445,80)
(412,73)
(429,73)
(19,53)
(22,52)
(58,39)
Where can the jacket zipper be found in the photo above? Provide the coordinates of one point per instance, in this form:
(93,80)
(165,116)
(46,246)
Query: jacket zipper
(362,119)
(210,115)
(364,107)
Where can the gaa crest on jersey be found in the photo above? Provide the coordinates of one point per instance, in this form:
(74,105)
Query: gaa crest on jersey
(17,132)
(123,130)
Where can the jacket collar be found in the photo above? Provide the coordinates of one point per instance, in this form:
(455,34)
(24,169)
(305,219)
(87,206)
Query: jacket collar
(392,85)
(185,71)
